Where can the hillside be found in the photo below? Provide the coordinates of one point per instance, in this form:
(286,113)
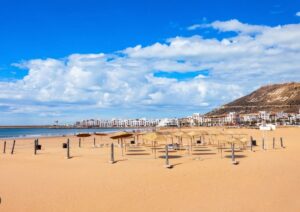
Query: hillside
(273,98)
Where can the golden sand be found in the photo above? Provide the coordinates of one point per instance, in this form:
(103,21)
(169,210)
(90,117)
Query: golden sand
(264,180)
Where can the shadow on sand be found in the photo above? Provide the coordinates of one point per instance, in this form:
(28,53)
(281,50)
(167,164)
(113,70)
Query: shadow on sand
(136,150)
(236,156)
(205,153)
(170,156)
(137,154)
(201,150)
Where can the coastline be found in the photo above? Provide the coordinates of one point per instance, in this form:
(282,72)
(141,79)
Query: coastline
(64,127)
(19,133)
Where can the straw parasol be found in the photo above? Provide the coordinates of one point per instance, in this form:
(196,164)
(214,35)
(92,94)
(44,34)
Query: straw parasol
(100,135)
(83,135)
(181,134)
(155,137)
(137,135)
(121,136)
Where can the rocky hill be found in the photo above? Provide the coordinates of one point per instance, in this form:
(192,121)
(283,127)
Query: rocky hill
(272,98)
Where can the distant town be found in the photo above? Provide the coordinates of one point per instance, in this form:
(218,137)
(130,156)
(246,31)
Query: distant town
(196,119)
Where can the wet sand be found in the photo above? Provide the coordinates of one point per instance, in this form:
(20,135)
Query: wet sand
(264,180)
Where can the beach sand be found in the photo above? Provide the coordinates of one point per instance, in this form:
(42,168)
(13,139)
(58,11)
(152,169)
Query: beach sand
(264,180)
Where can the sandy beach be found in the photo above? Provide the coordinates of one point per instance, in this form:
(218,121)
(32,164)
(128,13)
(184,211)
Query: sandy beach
(264,180)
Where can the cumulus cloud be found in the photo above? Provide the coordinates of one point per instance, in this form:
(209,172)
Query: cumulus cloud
(236,26)
(194,26)
(256,55)
(298,14)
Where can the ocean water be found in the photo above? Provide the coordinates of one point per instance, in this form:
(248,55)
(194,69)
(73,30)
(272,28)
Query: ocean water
(45,132)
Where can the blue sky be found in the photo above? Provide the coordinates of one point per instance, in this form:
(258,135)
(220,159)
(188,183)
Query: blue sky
(32,32)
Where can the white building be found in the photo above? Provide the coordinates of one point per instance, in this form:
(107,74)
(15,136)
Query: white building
(168,123)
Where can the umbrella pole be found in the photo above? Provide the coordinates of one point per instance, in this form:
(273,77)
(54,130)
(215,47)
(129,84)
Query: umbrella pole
(122,147)
(221,151)
(68,149)
(112,155)
(4,147)
(281,143)
(167,156)
(155,149)
(152,146)
(180,138)
(125,146)
(232,155)
(190,149)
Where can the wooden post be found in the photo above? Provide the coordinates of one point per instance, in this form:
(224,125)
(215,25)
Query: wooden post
(281,142)
(4,147)
(251,143)
(263,144)
(13,147)
(190,146)
(94,142)
(68,149)
(154,149)
(273,143)
(167,158)
(122,147)
(234,162)
(35,145)
(112,154)
(221,151)
(232,152)
(79,143)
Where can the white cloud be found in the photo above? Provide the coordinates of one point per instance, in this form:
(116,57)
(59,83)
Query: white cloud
(255,56)
(194,26)
(298,14)
(236,26)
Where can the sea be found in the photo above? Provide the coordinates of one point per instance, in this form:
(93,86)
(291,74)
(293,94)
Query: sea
(48,132)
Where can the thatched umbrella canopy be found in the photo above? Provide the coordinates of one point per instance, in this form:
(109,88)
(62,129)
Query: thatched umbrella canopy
(121,136)
(181,134)
(187,135)
(83,135)
(155,137)
(100,134)
(137,136)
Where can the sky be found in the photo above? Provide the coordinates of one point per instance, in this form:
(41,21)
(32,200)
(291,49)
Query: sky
(72,60)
